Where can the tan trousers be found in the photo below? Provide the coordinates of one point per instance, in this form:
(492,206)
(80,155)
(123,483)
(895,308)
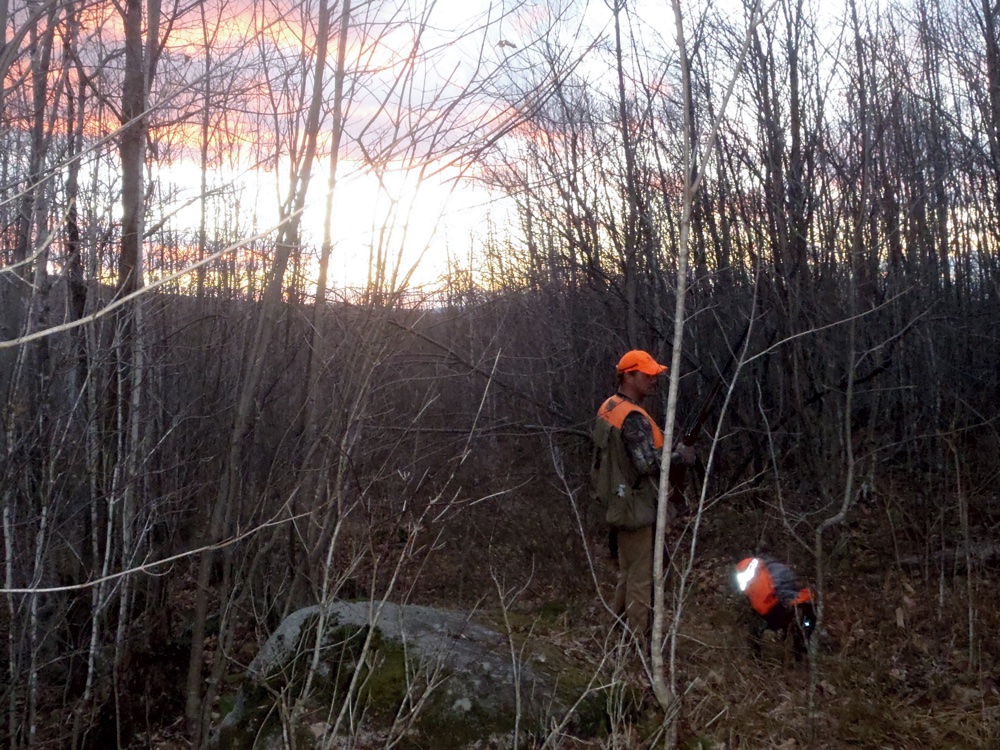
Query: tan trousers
(634,593)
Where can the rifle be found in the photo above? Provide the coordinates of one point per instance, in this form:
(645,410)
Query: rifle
(678,471)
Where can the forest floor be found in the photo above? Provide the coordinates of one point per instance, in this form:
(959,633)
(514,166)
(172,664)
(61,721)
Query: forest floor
(907,655)
(894,667)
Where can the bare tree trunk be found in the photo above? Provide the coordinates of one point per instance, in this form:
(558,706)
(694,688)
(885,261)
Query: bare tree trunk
(132,148)
(847,500)
(666,692)
(317,365)
(34,184)
(630,240)
(12,649)
(227,496)
(141,50)
(22,405)
(206,121)
(75,103)
(989,16)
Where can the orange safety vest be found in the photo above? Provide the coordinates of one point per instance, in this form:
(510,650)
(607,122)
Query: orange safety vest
(757,585)
(615,409)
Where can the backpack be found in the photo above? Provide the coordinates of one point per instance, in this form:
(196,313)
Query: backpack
(630,498)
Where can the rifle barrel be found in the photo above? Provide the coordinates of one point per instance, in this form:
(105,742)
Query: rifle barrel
(691,436)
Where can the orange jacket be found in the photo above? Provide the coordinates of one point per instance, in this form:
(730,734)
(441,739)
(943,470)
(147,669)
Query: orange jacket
(615,409)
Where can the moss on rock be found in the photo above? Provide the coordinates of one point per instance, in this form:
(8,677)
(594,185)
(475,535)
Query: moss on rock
(431,678)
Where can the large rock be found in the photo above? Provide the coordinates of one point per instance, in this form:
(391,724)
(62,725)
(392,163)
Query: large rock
(433,677)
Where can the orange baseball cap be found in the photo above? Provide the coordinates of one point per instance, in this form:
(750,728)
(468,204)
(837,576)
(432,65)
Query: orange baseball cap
(641,361)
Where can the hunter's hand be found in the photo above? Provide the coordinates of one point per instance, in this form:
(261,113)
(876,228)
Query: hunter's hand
(685,454)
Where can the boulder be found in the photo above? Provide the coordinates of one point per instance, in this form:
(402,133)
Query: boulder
(430,677)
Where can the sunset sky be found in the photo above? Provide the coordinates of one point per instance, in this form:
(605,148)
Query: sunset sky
(429,89)
(410,111)
(428,221)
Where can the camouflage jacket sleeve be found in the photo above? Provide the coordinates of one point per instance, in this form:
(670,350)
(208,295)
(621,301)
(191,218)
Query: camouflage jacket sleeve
(637,434)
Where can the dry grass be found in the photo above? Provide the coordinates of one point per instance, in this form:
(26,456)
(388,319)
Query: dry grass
(894,666)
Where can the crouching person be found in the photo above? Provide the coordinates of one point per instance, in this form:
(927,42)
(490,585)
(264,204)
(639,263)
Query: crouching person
(779,601)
